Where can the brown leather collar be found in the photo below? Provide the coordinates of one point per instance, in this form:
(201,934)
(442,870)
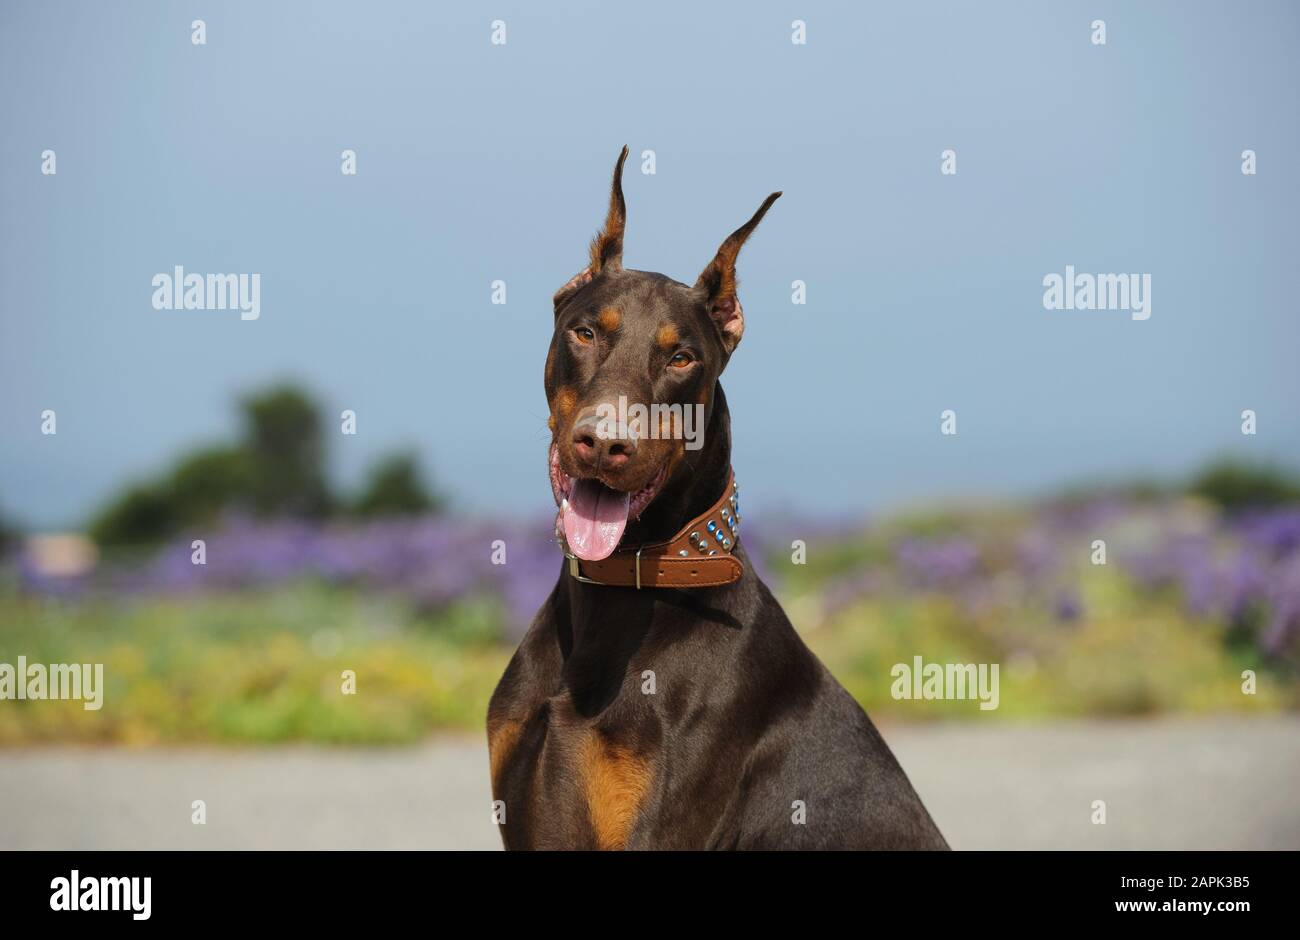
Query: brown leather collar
(697,556)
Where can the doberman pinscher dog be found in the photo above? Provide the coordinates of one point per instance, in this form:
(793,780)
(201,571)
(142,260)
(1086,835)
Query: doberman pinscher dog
(661,699)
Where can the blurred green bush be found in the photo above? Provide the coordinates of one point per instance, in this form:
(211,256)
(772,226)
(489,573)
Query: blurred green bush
(1236,485)
(278,468)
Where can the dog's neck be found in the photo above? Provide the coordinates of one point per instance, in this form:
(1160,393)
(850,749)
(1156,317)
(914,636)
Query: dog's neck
(696,484)
(601,627)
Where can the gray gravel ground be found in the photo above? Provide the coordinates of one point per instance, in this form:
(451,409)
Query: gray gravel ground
(1203,784)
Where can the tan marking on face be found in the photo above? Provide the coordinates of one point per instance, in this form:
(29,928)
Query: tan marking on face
(561,404)
(667,337)
(616,781)
(610,319)
(672,422)
(674,458)
(565,399)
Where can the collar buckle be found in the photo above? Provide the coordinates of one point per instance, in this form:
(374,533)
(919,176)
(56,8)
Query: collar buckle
(575,570)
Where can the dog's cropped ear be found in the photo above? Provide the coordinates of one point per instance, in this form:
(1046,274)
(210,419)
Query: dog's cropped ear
(717,283)
(607,246)
(564,293)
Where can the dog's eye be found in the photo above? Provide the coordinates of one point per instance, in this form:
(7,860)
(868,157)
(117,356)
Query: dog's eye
(584,334)
(681,360)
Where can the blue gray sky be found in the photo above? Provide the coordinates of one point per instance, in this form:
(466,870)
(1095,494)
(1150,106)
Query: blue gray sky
(479,162)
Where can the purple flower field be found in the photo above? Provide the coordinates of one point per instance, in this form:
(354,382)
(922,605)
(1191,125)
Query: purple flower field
(432,561)
(1241,573)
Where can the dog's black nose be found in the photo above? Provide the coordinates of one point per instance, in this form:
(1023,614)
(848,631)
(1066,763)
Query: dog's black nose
(601,444)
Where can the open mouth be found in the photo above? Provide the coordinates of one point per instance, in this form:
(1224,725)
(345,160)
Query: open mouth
(594,515)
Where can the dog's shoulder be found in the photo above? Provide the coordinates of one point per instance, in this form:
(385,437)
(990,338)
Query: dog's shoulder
(535,667)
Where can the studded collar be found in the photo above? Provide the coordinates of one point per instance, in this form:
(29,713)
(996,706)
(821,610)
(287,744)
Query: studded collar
(699,555)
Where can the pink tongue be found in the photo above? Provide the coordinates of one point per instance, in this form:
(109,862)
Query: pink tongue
(594,519)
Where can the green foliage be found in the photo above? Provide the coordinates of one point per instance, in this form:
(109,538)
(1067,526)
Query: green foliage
(1236,485)
(277,469)
(282,436)
(266,666)
(199,487)
(8,536)
(143,513)
(257,667)
(1133,654)
(211,480)
(395,488)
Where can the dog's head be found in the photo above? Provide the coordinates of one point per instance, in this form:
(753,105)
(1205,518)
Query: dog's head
(633,362)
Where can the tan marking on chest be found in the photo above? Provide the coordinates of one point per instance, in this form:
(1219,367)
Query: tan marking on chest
(502,738)
(615,780)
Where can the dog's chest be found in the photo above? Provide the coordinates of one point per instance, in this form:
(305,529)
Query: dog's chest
(594,742)
(561,780)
